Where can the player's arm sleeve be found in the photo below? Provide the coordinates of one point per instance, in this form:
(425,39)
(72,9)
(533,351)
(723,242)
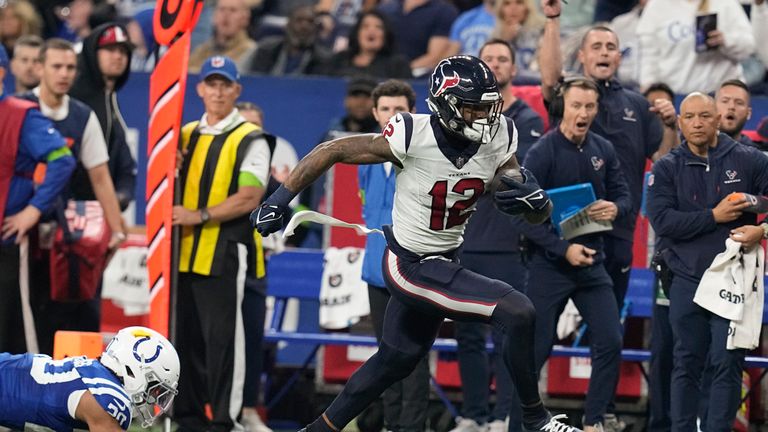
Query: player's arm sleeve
(398,133)
(254,170)
(93,151)
(511,131)
(114,401)
(44,143)
(665,219)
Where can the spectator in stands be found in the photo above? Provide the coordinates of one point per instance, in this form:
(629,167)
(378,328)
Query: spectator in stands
(75,26)
(638,130)
(336,19)
(24,65)
(520,23)
(625,27)
(760,29)
(358,105)
(28,138)
(406,401)
(659,90)
(668,44)
(80,127)
(214,259)
(296,53)
(561,269)
(102,71)
(142,36)
(422,29)
(371,50)
(692,219)
(18,18)
(472,28)
(607,10)
(733,106)
(660,374)
(230,38)
(492,248)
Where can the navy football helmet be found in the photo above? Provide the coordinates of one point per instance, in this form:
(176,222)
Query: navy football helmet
(464,95)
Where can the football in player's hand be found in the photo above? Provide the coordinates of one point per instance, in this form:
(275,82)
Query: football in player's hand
(497,185)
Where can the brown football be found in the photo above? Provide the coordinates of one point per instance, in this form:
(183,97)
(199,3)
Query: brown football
(496,183)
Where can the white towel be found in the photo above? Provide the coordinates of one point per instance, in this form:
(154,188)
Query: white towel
(721,289)
(343,294)
(745,333)
(125,281)
(732,287)
(569,320)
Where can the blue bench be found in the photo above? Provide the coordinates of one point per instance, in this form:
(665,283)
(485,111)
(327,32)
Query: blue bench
(297,274)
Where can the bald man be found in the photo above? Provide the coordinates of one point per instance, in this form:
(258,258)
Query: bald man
(692,216)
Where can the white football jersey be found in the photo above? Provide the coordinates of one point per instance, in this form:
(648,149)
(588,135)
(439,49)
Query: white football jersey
(439,185)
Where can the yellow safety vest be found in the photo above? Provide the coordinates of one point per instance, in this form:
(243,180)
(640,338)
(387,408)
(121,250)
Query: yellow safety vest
(208,177)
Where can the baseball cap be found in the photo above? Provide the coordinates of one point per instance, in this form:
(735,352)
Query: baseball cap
(361,85)
(220,65)
(3,57)
(114,35)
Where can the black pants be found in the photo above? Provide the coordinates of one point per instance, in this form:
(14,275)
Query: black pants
(11,320)
(550,286)
(475,365)
(254,311)
(660,377)
(618,264)
(406,401)
(210,341)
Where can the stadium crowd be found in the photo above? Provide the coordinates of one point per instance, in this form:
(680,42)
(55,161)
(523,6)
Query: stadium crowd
(590,85)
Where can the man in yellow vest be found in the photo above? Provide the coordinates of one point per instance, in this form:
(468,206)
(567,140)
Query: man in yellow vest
(224,170)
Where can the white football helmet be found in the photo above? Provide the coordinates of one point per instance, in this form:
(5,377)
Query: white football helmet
(149,367)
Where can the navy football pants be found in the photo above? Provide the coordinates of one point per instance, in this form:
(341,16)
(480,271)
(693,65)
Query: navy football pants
(424,292)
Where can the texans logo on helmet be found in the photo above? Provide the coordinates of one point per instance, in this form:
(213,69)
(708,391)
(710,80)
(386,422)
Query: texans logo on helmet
(447,82)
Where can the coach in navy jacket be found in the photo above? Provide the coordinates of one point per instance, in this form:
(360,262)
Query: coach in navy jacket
(560,269)
(691,212)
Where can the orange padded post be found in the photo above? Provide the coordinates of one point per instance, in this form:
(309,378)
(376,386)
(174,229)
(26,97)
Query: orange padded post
(73,344)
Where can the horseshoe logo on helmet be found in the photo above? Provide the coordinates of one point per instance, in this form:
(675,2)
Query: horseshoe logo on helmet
(154,356)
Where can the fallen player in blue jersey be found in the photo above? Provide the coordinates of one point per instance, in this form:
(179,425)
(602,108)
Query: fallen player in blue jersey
(136,375)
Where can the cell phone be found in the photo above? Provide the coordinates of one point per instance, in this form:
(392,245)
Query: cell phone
(705,23)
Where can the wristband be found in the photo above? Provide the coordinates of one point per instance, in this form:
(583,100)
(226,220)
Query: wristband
(204,215)
(282,196)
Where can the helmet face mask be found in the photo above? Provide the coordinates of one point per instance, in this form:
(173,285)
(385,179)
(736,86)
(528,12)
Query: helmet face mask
(465,97)
(148,366)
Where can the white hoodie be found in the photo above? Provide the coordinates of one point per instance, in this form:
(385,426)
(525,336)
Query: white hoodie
(760,30)
(668,38)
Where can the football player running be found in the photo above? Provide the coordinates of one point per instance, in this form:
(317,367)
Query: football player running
(444,162)
(136,376)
